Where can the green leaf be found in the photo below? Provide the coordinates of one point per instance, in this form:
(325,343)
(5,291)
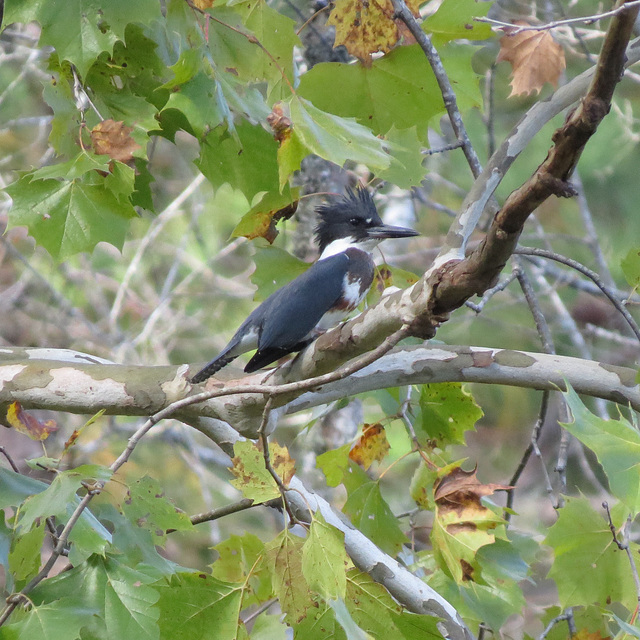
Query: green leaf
(398,90)
(275,267)
(334,464)
(242,559)
(147,506)
(454,20)
(329,136)
(289,584)
(369,512)
(80,30)
(119,597)
(59,498)
(88,536)
(411,625)
(324,559)
(260,221)
(268,627)
(273,57)
(406,168)
(196,605)
(136,544)
(251,474)
(82,163)
(348,624)
(447,412)
(616,444)
(631,267)
(370,605)
(24,558)
(57,620)
(247,161)
(196,105)
(68,217)
(422,484)
(588,566)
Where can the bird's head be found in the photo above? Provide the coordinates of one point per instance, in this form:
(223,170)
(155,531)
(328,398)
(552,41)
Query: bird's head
(353,221)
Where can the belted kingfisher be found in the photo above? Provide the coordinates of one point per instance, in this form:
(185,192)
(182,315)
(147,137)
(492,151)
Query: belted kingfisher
(292,317)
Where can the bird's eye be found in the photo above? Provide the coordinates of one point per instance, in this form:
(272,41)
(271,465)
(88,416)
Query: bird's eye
(354,221)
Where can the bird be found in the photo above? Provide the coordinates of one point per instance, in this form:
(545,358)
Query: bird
(325,294)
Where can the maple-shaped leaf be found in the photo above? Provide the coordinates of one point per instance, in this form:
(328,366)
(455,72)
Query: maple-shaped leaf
(28,424)
(535,58)
(251,475)
(371,446)
(462,523)
(113,139)
(366,27)
(284,555)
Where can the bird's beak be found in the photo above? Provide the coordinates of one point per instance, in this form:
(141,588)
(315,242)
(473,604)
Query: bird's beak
(383,231)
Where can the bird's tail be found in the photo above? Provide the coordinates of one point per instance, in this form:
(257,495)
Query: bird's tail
(213,367)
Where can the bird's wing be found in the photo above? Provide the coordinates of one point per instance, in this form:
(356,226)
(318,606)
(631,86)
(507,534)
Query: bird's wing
(295,310)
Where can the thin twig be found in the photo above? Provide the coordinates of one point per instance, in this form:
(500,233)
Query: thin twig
(624,546)
(535,437)
(567,615)
(542,326)
(5,453)
(448,147)
(514,29)
(448,95)
(489,293)
(264,441)
(592,275)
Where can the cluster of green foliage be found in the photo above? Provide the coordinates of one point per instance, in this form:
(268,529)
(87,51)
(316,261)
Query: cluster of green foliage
(218,78)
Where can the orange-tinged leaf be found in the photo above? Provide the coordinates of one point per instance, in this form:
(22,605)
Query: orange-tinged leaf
(203,5)
(535,58)
(366,27)
(113,139)
(25,423)
(371,446)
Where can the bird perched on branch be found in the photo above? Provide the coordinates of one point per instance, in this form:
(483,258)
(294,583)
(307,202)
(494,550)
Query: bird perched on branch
(292,317)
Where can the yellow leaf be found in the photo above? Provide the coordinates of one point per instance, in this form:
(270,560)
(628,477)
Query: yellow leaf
(366,27)
(371,446)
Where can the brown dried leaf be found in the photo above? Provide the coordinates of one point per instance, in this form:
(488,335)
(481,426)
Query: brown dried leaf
(25,423)
(113,139)
(462,488)
(535,58)
(366,27)
(279,122)
(371,446)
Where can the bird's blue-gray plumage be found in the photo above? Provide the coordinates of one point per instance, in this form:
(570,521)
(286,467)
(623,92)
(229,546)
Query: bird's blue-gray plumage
(328,291)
